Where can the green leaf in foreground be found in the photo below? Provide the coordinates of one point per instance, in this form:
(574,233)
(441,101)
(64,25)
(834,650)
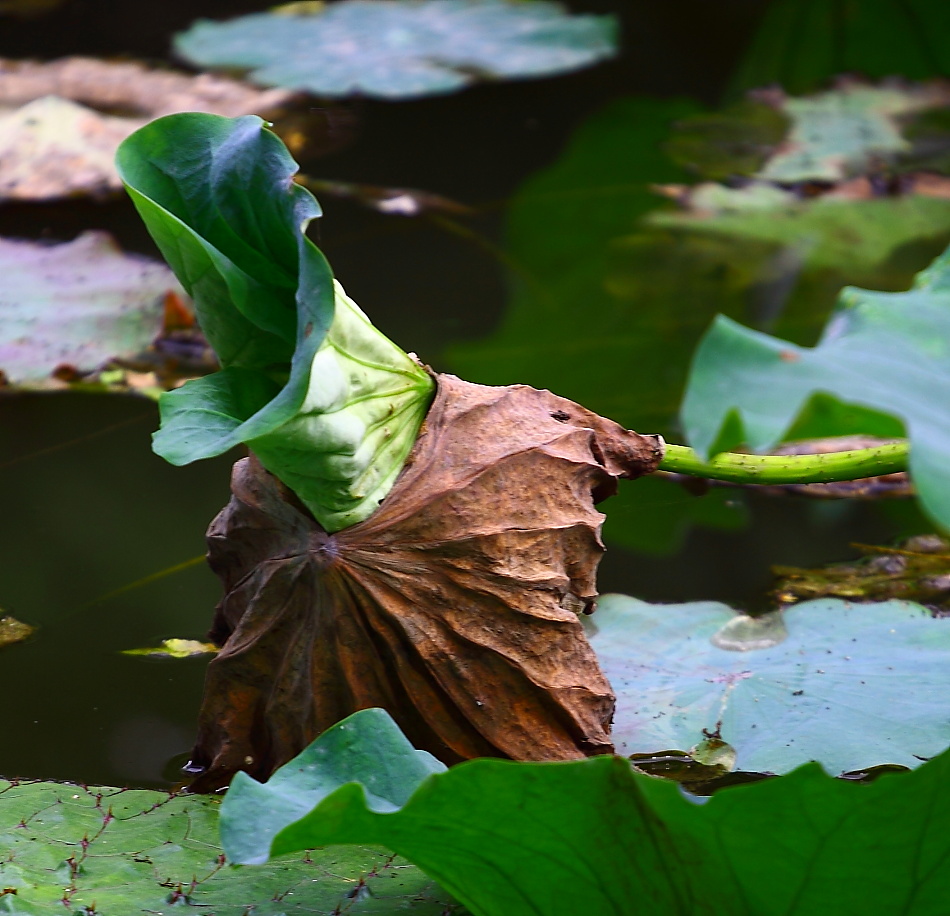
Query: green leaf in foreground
(328,404)
(401,48)
(517,839)
(367,747)
(76,305)
(886,351)
(848,685)
(117,852)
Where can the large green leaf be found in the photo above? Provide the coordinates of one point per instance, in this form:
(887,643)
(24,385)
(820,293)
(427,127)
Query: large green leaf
(218,197)
(801,44)
(848,685)
(367,747)
(121,852)
(401,48)
(886,351)
(77,305)
(513,839)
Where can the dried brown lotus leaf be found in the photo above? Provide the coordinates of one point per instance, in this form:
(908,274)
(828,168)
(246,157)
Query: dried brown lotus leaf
(454,606)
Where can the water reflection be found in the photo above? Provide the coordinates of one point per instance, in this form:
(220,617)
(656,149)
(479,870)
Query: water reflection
(140,745)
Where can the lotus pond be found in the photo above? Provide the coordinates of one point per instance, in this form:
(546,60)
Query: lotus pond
(577,233)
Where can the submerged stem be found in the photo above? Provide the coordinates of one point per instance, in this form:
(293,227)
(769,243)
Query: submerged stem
(887,458)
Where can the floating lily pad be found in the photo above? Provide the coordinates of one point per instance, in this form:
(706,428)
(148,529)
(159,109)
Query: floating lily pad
(794,249)
(56,148)
(854,129)
(851,686)
(13,630)
(176,648)
(400,48)
(837,134)
(70,308)
(78,850)
(736,140)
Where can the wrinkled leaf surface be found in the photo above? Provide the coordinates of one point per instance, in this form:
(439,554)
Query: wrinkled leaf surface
(851,686)
(454,606)
(401,48)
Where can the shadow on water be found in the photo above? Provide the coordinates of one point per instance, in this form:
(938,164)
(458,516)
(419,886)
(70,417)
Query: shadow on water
(87,508)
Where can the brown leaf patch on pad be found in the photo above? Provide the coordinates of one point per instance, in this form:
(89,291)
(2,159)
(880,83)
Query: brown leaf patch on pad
(132,88)
(61,121)
(13,630)
(455,606)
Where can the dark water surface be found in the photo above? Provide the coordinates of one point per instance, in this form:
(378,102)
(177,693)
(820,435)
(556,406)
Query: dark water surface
(87,508)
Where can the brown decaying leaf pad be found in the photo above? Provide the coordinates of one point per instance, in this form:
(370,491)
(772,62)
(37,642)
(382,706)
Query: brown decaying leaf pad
(56,139)
(132,87)
(455,606)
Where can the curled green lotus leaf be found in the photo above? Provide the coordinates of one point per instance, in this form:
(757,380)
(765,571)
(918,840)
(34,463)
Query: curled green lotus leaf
(344,449)
(330,405)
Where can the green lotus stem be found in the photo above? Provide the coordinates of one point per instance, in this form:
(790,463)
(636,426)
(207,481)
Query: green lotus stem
(888,458)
